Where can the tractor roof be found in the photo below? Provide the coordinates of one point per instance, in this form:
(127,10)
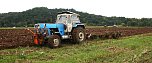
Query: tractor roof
(67,12)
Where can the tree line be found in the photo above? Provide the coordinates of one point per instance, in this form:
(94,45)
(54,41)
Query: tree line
(45,15)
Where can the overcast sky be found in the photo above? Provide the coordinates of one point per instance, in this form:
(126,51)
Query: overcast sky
(126,8)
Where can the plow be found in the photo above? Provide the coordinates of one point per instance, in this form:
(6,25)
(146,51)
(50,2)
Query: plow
(66,27)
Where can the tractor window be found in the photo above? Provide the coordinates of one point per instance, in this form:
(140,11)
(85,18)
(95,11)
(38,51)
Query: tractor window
(74,17)
(63,17)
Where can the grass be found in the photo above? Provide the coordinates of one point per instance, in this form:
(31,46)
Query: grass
(133,49)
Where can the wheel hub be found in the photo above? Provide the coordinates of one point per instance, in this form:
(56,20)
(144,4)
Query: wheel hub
(81,36)
(56,42)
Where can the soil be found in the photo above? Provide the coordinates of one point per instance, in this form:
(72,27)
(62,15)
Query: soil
(11,38)
(123,31)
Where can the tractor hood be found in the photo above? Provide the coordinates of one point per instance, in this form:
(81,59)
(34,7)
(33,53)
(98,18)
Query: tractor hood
(59,26)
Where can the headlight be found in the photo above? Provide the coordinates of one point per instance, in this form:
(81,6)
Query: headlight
(36,26)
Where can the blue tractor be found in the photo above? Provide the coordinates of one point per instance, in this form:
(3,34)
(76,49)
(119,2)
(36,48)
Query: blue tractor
(67,26)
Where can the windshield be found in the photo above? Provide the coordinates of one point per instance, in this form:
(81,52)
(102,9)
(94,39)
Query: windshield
(62,17)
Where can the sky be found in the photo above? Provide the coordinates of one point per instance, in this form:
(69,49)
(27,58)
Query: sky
(119,8)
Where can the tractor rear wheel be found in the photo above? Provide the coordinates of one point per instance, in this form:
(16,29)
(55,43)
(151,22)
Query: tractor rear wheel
(78,35)
(54,41)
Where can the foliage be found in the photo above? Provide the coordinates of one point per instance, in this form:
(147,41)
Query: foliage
(45,15)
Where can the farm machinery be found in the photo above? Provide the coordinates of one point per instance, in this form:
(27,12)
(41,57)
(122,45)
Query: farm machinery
(67,26)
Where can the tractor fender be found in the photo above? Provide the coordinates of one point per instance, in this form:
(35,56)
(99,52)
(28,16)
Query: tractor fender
(79,25)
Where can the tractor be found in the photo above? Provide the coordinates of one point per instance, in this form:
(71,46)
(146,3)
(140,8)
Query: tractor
(67,26)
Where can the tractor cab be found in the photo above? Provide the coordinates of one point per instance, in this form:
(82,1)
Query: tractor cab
(68,19)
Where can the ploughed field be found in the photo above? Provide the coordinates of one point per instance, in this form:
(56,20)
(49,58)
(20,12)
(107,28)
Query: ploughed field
(10,38)
(110,32)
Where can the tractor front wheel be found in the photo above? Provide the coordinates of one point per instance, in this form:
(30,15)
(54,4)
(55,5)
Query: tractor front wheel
(54,41)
